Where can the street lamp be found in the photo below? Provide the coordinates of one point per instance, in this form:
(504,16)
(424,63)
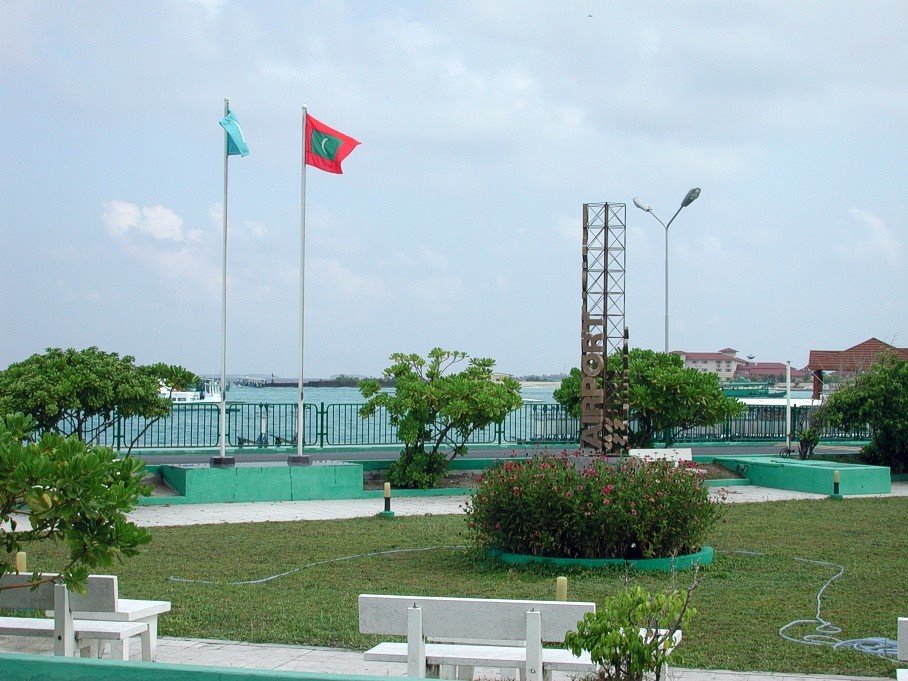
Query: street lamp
(688,199)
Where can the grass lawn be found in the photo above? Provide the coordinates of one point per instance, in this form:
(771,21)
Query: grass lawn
(742,602)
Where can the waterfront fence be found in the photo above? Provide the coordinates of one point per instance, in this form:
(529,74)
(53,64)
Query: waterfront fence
(267,425)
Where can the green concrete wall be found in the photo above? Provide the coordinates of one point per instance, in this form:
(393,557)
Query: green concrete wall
(811,476)
(48,668)
(204,485)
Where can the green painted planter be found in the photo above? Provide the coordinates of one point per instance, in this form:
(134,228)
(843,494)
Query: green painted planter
(703,557)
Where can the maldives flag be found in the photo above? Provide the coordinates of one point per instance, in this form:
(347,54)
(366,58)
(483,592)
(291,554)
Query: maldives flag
(326,147)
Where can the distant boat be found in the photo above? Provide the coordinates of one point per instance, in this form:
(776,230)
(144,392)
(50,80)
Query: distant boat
(742,389)
(208,393)
(780,401)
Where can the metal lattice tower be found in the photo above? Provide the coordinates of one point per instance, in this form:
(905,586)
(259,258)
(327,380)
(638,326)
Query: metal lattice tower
(603,412)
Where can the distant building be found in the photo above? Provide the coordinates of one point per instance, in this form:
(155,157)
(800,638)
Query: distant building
(769,371)
(852,361)
(723,363)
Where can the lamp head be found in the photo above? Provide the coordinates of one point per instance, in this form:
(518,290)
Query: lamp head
(641,205)
(691,197)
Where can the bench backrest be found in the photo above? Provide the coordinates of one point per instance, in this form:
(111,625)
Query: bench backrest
(100,594)
(15,596)
(902,640)
(446,619)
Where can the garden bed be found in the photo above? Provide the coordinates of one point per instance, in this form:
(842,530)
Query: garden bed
(468,479)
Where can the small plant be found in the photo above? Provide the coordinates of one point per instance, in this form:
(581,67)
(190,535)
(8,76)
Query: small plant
(550,507)
(808,439)
(417,469)
(632,635)
(436,410)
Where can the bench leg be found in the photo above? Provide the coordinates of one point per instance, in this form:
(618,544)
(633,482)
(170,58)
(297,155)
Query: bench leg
(150,640)
(119,650)
(461,672)
(902,639)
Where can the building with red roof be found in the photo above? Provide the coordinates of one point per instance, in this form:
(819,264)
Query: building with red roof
(769,371)
(852,361)
(723,363)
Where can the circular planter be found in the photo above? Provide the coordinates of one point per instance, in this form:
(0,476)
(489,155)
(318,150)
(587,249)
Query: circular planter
(703,557)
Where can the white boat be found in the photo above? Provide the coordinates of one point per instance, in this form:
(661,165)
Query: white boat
(210,392)
(780,401)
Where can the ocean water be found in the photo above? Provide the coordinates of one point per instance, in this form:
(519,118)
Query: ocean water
(239,393)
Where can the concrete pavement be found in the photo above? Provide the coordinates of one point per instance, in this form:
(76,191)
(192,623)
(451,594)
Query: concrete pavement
(279,511)
(287,658)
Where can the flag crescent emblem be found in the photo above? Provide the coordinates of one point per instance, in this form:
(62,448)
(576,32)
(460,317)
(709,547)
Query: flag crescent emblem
(323,143)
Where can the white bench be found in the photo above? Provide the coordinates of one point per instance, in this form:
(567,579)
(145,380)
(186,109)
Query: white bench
(69,634)
(674,455)
(132,610)
(465,633)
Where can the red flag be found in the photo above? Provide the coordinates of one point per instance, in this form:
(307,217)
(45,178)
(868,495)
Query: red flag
(326,148)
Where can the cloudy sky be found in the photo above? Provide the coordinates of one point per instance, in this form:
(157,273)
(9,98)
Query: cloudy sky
(484,126)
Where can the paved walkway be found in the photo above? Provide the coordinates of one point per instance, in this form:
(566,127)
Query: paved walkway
(287,658)
(338,661)
(276,511)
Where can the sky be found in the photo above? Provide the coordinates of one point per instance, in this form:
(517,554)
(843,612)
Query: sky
(484,128)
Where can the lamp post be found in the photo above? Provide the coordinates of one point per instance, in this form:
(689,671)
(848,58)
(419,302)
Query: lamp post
(688,199)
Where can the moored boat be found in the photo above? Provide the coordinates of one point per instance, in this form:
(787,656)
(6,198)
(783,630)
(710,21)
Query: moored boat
(208,392)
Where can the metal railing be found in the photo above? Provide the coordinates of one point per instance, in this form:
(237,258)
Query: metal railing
(328,425)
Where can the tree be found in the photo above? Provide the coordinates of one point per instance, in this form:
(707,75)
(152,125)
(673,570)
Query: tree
(68,492)
(82,391)
(434,409)
(663,396)
(878,398)
(175,377)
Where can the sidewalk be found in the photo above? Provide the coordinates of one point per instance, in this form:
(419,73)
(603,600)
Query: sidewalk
(287,658)
(281,511)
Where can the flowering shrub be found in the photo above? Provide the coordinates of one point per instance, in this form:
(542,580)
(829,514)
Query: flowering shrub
(548,507)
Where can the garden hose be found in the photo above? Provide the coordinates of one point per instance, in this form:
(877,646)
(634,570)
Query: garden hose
(826,631)
(370,554)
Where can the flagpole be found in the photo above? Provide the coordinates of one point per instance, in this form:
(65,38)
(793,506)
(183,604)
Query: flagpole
(222,459)
(300,404)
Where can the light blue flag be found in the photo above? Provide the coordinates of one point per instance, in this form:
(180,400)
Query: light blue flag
(236,144)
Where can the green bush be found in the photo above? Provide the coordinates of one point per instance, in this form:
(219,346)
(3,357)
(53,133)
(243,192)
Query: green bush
(549,507)
(877,398)
(612,634)
(71,494)
(418,469)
